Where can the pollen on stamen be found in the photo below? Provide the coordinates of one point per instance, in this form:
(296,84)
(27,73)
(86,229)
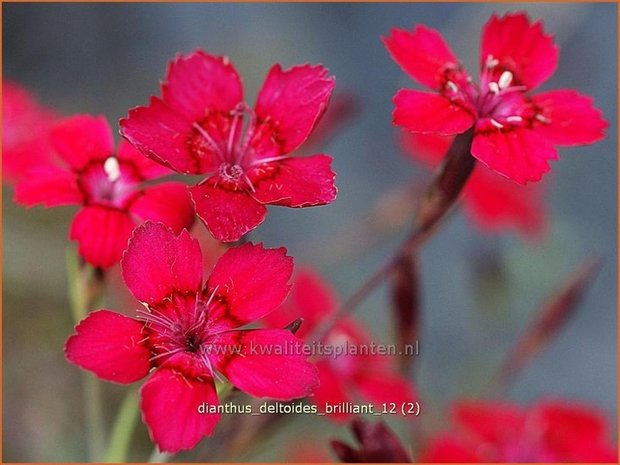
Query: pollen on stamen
(514,119)
(112,169)
(505,79)
(496,123)
(452,87)
(494,87)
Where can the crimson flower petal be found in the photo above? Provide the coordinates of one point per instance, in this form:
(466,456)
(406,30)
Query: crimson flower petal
(146,168)
(25,132)
(199,83)
(169,403)
(168,203)
(265,363)
(422,53)
(110,345)
(532,58)
(102,234)
(159,263)
(311,298)
(429,149)
(519,154)
(292,101)
(450,448)
(49,186)
(164,135)
(424,112)
(495,202)
(251,282)
(570,118)
(382,387)
(490,421)
(82,139)
(297,182)
(227,214)
(330,391)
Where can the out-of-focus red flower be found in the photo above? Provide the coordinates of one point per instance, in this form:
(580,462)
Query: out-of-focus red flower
(492,202)
(549,431)
(515,132)
(189,333)
(25,132)
(201,125)
(109,187)
(346,377)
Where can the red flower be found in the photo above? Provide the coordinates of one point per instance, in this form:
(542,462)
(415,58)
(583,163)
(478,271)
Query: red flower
(492,202)
(515,133)
(189,330)
(25,132)
(346,377)
(108,187)
(201,125)
(550,431)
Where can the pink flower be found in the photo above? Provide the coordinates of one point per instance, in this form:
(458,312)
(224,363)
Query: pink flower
(549,431)
(348,377)
(514,132)
(202,126)
(109,187)
(189,331)
(25,132)
(492,202)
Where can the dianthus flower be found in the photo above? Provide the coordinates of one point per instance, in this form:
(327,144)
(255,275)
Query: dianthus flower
(515,133)
(25,132)
(109,187)
(189,332)
(347,376)
(201,125)
(549,431)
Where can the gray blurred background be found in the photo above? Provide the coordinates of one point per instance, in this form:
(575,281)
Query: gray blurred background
(479,290)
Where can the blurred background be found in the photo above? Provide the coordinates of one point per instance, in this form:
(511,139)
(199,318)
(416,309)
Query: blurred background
(479,290)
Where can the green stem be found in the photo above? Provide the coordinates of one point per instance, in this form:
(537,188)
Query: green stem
(123,428)
(85,292)
(94,416)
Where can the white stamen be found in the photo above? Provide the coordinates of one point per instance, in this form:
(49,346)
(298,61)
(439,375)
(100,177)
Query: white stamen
(493,87)
(452,87)
(112,169)
(225,60)
(496,123)
(504,80)
(542,119)
(514,119)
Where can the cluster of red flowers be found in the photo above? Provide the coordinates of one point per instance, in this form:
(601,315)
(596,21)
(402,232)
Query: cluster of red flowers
(191,333)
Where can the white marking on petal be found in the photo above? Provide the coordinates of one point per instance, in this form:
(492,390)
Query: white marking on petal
(112,169)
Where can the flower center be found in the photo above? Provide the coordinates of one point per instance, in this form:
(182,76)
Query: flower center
(111,183)
(178,332)
(499,101)
(229,139)
(229,172)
